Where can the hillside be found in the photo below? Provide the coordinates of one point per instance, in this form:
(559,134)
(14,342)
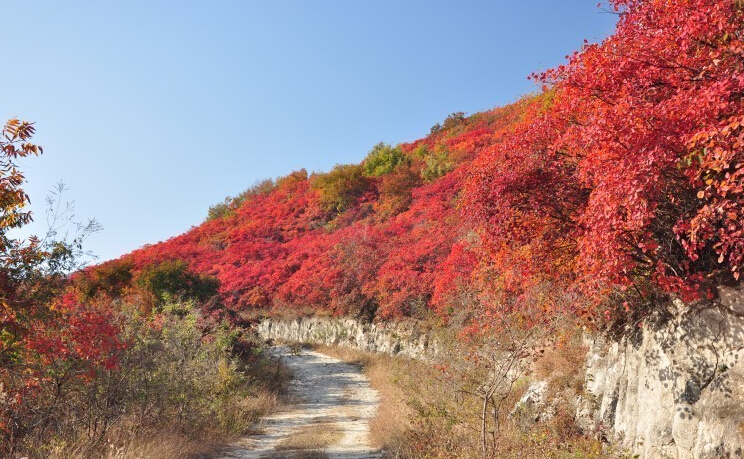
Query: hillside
(608,185)
(610,205)
(386,235)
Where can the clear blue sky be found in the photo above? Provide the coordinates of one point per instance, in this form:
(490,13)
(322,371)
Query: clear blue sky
(151,111)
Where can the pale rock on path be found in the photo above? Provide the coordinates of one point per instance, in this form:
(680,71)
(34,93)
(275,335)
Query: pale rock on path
(326,389)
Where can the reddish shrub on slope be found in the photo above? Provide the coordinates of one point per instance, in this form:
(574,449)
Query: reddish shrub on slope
(330,243)
(635,102)
(417,241)
(632,171)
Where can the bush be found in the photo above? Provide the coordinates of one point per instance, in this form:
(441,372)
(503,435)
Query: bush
(396,191)
(341,187)
(220,210)
(229,205)
(109,279)
(173,280)
(292,178)
(436,163)
(460,408)
(383,159)
(452,121)
(173,383)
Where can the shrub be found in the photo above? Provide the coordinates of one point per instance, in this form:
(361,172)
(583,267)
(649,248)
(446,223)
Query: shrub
(383,159)
(436,163)
(173,280)
(437,411)
(109,279)
(172,380)
(229,205)
(292,178)
(341,187)
(396,191)
(452,120)
(220,210)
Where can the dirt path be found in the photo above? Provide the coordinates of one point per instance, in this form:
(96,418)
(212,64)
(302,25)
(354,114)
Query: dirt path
(330,419)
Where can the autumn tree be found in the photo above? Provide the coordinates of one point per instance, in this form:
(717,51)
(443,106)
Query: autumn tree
(48,340)
(616,176)
(646,155)
(14,144)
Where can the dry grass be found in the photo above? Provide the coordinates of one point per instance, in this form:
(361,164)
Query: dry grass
(296,455)
(561,367)
(240,417)
(423,415)
(317,436)
(561,364)
(162,447)
(153,444)
(128,439)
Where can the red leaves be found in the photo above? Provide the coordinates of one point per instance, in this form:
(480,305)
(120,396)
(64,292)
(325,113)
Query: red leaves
(74,335)
(716,166)
(670,72)
(640,175)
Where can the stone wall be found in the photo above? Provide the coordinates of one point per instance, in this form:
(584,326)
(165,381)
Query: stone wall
(409,339)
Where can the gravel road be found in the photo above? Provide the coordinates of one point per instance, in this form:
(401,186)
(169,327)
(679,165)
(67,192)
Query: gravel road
(330,419)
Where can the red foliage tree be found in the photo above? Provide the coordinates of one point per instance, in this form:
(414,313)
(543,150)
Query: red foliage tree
(47,340)
(630,174)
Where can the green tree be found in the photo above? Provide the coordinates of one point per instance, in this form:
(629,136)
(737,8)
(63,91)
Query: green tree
(171,280)
(383,159)
(341,187)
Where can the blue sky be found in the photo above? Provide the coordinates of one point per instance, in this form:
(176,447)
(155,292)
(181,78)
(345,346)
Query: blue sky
(150,112)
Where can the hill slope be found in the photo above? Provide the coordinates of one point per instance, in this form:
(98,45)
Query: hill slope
(621,182)
(386,234)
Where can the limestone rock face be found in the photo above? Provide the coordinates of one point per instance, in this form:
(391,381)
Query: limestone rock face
(407,339)
(674,389)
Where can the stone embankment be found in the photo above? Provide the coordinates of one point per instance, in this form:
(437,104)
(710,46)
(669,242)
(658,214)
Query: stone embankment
(408,339)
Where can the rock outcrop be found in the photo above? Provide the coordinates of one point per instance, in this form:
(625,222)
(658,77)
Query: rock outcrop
(409,339)
(674,388)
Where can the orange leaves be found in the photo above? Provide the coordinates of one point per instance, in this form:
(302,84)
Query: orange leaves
(526,199)
(13,145)
(15,134)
